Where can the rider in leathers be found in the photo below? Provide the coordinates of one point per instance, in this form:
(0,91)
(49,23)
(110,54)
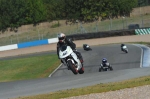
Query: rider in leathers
(105,63)
(122,45)
(63,40)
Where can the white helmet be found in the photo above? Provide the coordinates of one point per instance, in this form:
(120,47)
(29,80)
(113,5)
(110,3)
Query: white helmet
(61,37)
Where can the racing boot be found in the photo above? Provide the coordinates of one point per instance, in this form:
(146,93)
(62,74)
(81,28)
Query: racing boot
(80,57)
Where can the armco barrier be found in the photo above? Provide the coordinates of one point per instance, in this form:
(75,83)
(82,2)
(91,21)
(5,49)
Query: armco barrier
(52,40)
(73,37)
(8,47)
(28,44)
(33,43)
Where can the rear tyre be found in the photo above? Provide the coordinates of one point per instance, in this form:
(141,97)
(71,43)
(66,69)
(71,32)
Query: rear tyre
(81,71)
(125,51)
(90,49)
(72,67)
(111,69)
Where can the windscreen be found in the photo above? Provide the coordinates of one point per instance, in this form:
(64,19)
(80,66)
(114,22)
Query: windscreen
(63,48)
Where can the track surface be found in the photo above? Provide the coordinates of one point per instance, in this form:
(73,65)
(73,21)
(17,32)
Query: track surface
(125,66)
(118,59)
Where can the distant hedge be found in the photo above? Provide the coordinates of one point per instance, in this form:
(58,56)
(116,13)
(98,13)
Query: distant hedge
(14,13)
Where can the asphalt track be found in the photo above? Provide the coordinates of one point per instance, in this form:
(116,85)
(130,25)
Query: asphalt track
(118,59)
(125,66)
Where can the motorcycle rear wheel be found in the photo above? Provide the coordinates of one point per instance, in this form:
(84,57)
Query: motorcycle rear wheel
(111,69)
(81,71)
(72,67)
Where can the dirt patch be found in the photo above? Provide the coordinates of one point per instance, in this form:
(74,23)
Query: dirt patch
(140,11)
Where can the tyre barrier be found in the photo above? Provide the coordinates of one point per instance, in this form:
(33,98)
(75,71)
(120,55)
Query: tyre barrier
(101,34)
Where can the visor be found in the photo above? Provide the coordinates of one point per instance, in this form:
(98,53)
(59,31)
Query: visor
(61,38)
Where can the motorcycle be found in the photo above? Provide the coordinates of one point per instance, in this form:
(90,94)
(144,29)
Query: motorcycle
(124,49)
(71,60)
(106,67)
(86,47)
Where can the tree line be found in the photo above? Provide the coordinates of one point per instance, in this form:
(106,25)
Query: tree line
(14,13)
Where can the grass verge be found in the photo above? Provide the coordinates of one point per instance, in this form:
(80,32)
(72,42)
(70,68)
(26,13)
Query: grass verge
(28,68)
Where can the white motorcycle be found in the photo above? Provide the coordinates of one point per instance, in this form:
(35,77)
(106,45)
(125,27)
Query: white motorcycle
(70,59)
(124,49)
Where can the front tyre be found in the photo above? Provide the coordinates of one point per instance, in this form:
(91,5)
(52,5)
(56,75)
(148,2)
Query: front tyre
(100,69)
(72,67)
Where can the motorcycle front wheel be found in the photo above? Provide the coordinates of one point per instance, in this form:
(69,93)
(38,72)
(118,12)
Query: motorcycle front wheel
(100,69)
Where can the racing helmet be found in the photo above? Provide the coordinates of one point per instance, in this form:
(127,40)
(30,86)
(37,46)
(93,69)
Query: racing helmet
(61,37)
(122,44)
(104,60)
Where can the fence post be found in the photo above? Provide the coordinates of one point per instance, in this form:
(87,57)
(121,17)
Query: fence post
(11,41)
(17,38)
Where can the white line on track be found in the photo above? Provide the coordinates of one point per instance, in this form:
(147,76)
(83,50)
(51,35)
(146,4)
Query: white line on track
(141,63)
(55,70)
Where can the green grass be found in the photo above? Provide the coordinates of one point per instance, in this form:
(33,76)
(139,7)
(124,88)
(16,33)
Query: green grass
(28,68)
